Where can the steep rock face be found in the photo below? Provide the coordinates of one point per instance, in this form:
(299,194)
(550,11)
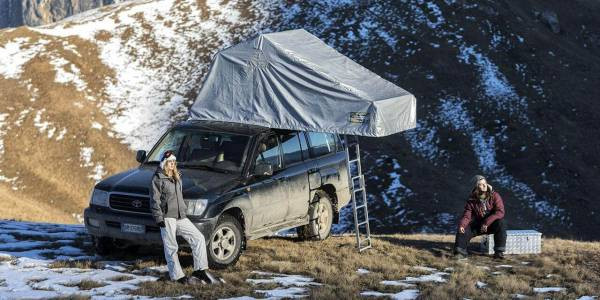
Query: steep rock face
(15,13)
(11,13)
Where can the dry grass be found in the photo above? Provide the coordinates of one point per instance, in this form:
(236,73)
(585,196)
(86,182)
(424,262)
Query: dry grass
(79,264)
(334,263)
(120,278)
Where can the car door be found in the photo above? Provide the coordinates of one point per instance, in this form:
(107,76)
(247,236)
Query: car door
(326,161)
(266,193)
(295,182)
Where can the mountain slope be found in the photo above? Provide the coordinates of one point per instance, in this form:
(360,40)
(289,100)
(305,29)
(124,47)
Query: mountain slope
(79,95)
(503,89)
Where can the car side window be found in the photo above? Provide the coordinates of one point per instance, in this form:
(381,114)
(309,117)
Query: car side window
(290,144)
(321,143)
(268,153)
(303,145)
(339,142)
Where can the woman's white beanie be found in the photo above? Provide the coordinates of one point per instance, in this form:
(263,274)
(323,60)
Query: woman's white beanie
(164,160)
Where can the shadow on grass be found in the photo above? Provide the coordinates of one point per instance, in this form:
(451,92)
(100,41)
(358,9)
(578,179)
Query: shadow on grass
(437,248)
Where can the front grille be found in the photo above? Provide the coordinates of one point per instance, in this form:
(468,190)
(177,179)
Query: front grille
(126,202)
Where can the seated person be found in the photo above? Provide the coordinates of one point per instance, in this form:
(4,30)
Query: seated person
(484,214)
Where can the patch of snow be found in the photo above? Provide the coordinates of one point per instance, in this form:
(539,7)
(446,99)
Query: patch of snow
(422,268)
(45,125)
(435,277)
(403,295)
(424,141)
(279,293)
(504,266)
(67,75)
(85,155)
(397,283)
(283,279)
(28,274)
(525,263)
(480,284)
(13,55)
(361,271)
(495,85)
(3,117)
(20,120)
(587,298)
(96,125)
(548,289)
(61,134)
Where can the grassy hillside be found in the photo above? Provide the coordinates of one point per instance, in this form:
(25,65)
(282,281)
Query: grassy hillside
(334,265)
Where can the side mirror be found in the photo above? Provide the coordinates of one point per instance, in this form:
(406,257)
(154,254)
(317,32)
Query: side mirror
(140,156)
(263,169)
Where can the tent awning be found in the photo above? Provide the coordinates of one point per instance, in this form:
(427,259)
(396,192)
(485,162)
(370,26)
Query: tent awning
(293,80)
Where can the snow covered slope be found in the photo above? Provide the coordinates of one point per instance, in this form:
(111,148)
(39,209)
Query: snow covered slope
(499,93)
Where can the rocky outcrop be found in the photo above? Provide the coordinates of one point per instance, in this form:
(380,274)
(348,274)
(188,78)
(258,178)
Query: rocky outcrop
(15,13)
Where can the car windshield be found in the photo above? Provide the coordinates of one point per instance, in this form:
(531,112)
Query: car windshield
(221,152)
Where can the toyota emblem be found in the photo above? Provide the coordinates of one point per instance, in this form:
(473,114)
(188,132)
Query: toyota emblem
(136,203)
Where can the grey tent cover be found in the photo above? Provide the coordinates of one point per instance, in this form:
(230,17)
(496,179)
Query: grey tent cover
(293,80)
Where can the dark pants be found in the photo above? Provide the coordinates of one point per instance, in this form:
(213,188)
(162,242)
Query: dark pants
(497,228)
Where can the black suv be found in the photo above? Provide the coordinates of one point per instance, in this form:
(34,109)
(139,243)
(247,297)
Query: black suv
(239,182)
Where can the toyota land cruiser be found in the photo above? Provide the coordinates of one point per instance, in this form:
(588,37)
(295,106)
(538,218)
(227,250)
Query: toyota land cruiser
(240,182)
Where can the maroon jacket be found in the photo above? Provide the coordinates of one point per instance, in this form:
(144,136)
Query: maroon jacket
(474,210)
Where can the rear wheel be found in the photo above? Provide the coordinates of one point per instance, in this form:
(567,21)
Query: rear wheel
(320,215)
(226,242)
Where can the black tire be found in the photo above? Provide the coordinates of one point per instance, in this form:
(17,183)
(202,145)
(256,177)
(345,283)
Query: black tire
(225,244)
(320,214)
(103,245)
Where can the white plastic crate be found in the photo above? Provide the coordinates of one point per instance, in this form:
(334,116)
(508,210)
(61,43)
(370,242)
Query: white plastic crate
(517,242)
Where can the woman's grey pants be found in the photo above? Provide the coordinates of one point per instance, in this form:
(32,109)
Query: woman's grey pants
(185,228)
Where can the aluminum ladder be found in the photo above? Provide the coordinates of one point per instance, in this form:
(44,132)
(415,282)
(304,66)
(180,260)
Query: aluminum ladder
(356,183)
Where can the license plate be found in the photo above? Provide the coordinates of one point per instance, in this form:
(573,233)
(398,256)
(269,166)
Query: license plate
(133,228)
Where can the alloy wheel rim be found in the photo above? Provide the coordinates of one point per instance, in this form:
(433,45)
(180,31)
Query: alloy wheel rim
(323,221)
(223,243)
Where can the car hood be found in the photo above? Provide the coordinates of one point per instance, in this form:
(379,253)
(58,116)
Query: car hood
(196,183)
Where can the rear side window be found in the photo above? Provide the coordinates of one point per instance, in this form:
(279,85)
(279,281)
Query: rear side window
(291,148)
(321,143)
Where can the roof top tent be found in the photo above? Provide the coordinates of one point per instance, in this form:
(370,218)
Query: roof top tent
(293,80)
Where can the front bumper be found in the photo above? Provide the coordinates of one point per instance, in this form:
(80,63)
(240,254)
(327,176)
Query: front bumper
(109,225)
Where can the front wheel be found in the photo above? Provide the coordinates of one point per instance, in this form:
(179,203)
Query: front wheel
(320,215)
(103,245)
(225,243)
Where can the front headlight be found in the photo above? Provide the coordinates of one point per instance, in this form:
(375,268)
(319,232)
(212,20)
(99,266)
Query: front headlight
(196,207)
(99,197)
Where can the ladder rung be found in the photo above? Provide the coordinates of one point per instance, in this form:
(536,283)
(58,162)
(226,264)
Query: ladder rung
(358,189)
(363,223)
(356,177)
(360,206)
(353,160)
(364,248)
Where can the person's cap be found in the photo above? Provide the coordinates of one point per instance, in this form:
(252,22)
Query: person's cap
(168,155)
(475,180)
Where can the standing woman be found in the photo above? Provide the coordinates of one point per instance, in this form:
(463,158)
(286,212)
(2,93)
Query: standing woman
(168,210)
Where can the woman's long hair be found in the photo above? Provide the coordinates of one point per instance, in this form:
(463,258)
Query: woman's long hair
(174,174)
